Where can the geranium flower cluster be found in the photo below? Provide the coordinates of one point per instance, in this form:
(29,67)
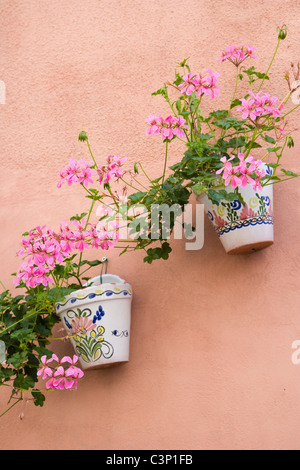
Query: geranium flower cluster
(167,128)
(80,171)
(112,169)
(77,171)
(58,377)
(259,105)
(204,83)
(246,172)
(43,248)
(237,53)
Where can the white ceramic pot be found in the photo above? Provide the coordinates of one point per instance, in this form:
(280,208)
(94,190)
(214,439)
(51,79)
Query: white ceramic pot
(243,229)
(97,319)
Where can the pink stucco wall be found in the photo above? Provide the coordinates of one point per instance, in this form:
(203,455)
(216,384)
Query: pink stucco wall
(211,334)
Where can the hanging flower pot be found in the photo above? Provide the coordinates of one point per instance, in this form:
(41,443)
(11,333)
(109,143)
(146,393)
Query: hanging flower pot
(243,228)
(97,319)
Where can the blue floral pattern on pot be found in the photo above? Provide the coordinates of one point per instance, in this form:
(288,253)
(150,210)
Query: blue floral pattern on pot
(233,215)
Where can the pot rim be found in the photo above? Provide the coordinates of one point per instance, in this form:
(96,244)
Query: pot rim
(104,291)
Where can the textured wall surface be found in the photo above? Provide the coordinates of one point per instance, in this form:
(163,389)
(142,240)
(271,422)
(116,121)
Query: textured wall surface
(211,334)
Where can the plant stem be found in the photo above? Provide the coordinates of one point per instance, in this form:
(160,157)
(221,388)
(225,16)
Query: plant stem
(251,143)
(113,197)
(140,183)
(90,213)
(165,164)
(168,100)
(293,109)
(3,286)
(144,172)
(235,88)
(209,126)
(272,60)
(16,402)
(87,221)
(136,189)
(285,179)
(91,153)
(232,99)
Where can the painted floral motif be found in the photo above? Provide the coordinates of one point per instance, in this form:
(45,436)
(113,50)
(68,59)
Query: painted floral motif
(219,222)
(247,212)
(80,325)
(88,335)
(235,215)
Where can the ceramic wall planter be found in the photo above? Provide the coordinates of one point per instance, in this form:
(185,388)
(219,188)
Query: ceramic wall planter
(243,229)
(97,319)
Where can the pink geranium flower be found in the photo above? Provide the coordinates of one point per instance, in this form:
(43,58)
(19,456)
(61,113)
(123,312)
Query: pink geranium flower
(168,128)
(211,88)
(204,83)
(113,169)
(190,82)
(76,172)
(246,172)
(44,248)
(59,377)
(46,371)
(237,53)
(259,105)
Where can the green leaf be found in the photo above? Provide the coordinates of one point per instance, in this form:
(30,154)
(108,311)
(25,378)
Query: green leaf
(218,196)
(235,103)
(227,123)
(251,71)
(95,262)
(79,217)
(136,197)
(24,335)
(253,145)
(39,397)
(219,114)
(269,139)
(17,359)
(162,91)
(289,173)
(24,382)
(158,253)
(178,105)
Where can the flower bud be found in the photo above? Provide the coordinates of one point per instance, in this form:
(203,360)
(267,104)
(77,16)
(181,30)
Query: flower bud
(282,32)
(83,136)
(290,142)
